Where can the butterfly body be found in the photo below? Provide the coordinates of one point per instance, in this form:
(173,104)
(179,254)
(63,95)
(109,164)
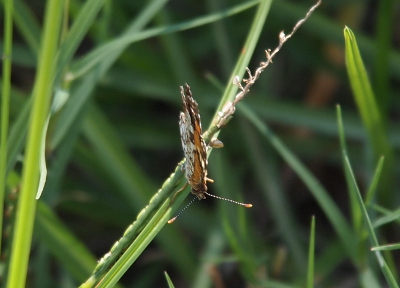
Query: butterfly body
(193,144)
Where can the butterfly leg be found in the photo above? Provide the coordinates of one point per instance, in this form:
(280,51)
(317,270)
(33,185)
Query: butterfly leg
(179,191)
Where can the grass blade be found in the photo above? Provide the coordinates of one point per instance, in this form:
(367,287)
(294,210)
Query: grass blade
(311,256)
(96,56)
(382,263)
(40,109)
(5,103)
(368,107)
(386,247)
(169,281)
(321,195)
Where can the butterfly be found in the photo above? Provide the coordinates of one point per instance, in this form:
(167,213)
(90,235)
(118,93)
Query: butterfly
(195,150)
(193,144)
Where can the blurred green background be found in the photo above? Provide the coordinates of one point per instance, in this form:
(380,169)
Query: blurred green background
(116,140)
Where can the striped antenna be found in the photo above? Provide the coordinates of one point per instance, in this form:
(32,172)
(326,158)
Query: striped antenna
(190,203)
(230,200)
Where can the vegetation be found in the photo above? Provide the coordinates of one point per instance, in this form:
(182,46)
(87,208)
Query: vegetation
(89,125)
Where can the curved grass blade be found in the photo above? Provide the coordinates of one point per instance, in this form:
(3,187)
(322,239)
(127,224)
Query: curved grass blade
(131,182)
(104,62)
(331,210)
(138,235)
(66,248)
(266,172)
(59,99)
(142,231)
(81,67)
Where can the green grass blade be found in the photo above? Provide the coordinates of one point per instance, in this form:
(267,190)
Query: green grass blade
(169,281)
(154,224)
(243,61)
(40,109)
(388,218)
(27,25)
(63,245)
(371,233)
(81,94)
(96,56)
(112,154)
(355,211)
(333,213)
(214,247)
(363,93)
(181,65)
(374,184)
(148,224)
(75,35)
(311,256)
(266,172)
(367,106)
(238,229)
(386,247)
(18,135)
(5,102)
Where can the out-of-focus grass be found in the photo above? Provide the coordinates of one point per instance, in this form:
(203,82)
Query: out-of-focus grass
(117,139)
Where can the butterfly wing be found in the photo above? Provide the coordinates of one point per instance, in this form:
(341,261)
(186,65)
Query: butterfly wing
(193,144)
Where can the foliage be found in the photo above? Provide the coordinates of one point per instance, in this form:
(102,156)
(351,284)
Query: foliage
(104,91)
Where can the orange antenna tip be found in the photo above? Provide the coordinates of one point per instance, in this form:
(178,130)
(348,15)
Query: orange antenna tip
(248,205)
(171,220)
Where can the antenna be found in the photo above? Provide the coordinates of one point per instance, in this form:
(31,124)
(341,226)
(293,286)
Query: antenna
(211,195)
(230,200)
(190,203)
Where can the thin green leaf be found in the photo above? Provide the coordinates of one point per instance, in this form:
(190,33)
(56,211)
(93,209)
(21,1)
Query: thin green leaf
(333,213)
(363,93)
(30,175)
(27,25)
(266,169)
(385,268)
(243,61)
(67,249)
(386,247)
(81,67)
(367,105)
(75,35)
(154,223)
(374,183)
(5,103)
(388,218)
(81,94)
(169,281)
(311,256)
(355,211)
